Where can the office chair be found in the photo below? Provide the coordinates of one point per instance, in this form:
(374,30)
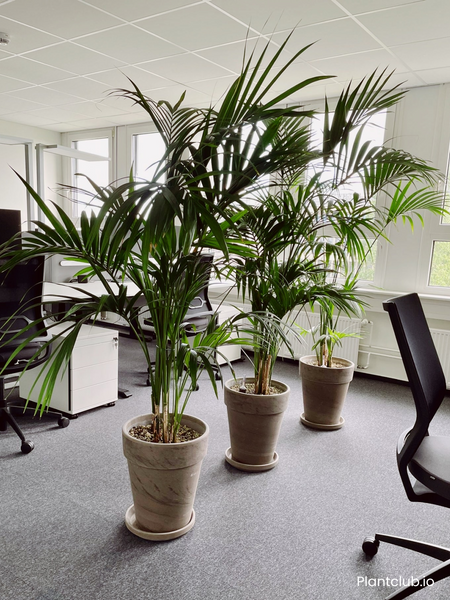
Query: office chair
(200,311)
(423,459)
(20,305)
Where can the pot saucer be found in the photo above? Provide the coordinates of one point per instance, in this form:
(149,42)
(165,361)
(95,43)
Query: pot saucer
(321,425)
(250,468)
(130,522)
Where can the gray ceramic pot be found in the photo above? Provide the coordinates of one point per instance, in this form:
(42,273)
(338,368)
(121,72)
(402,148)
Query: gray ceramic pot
(254,421)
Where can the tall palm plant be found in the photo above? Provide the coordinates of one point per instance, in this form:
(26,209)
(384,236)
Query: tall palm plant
(150,232)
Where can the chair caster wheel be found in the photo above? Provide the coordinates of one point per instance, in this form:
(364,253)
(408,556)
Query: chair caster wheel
(63,422)
(370,546)
(218,377)
(27,447)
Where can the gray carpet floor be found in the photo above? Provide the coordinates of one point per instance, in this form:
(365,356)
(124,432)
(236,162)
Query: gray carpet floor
(291,533)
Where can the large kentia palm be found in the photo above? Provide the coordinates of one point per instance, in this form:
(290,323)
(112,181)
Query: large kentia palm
(150,232)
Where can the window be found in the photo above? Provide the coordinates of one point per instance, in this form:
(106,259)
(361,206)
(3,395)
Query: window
(439,270)
(147,150)
(374,133)
(98,171)
(98,143)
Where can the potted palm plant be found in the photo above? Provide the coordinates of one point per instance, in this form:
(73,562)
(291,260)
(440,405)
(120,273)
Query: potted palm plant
(351,224)
(292,246)
(143,245)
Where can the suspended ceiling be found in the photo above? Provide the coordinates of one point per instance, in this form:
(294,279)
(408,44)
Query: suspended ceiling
(65,56)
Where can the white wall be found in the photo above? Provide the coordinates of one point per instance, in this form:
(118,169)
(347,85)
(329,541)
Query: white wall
(12,191)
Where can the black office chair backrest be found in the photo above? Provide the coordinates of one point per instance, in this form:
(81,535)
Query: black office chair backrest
(419,355)
(20,305)
(200,310)
(426,379)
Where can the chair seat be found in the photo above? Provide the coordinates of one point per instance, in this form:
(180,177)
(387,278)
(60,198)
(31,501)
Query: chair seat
(25,355)
(431,464)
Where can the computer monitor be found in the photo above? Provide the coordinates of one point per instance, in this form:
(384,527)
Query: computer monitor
(10,224)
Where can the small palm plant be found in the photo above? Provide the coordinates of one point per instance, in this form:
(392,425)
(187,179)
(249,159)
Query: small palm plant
(291,249)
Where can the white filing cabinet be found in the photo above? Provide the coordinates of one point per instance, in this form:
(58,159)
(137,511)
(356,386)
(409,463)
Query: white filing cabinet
(91,377)
(231,352)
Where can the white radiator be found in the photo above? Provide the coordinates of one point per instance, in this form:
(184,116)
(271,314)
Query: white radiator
(441,339)
(306,320)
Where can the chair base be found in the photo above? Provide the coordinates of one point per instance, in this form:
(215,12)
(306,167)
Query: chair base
(6,418)
(441,571)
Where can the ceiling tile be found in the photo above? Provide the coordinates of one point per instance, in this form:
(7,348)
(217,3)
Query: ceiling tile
(65,18)
(28,119)
(57,114)
(268,16)
(231,56)
(137,9)
(410,23)
(330,39)
(74,58)
(129,44)
(43,95)
(416,55)
(10,104)
(94,109)
(24,38)
(143,79)
(357,7)
(31,71)
(128,119)
(81,87)
(354,66)
(434,76)
(87,124)
(207,27)
(185,68)
(193,97)
(8,84)
(214,88)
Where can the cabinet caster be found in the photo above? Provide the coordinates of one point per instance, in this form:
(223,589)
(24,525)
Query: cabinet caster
(63,422)
(218,377)
(370,546)
(27,447)
(110,404)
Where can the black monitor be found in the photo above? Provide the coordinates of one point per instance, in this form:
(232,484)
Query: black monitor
(10,224)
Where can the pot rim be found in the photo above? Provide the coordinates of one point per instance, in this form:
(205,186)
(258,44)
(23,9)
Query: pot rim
(350,364)
(126,427)
(228,383)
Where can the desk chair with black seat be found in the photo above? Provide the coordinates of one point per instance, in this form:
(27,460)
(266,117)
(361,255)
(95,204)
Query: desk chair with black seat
(200,311)
(423,459)
(20,305)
